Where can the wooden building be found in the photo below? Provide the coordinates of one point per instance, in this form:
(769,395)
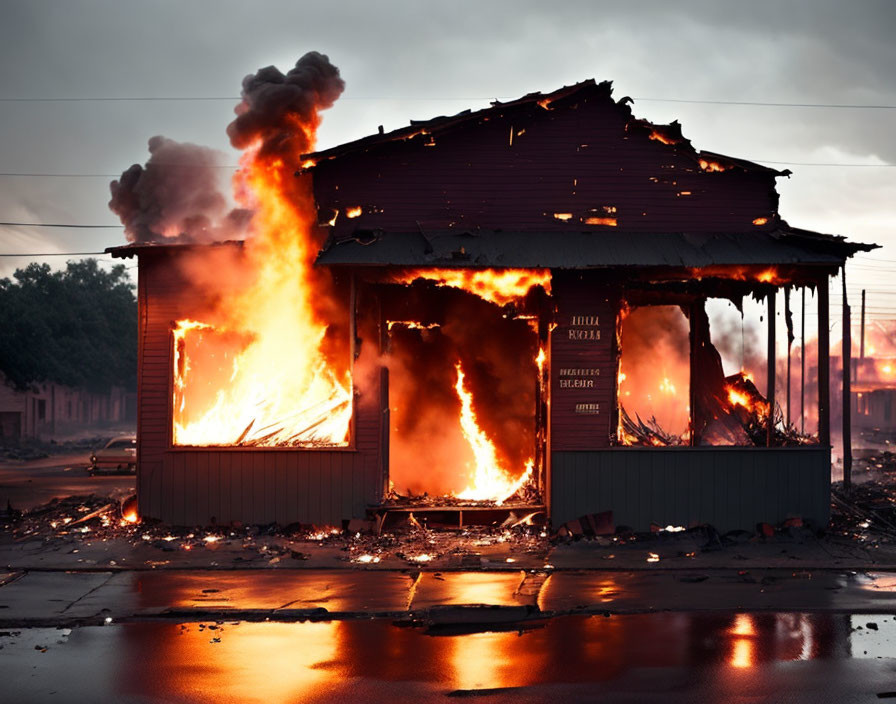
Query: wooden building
(623,213)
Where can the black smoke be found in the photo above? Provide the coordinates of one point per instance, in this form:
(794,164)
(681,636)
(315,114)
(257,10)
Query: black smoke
(277,107)
(175,197)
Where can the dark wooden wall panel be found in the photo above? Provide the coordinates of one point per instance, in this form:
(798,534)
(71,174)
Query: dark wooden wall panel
(574,159)
(255,485)
(726,487)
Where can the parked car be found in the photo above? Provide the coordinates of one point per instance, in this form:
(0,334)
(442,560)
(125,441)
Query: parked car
(119,455)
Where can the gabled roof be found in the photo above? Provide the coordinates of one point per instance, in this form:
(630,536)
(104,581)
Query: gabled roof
(427,129)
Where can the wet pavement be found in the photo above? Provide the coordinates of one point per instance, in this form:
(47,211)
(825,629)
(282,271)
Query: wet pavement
(664,657)
(43,598)
(24,485)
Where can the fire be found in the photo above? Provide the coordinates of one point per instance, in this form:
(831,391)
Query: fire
(256,372)
(737,398)
(539,360)
(353,212)
(667,387)
(760,221)
(565,217)
(658,136)
(609,222)
(500,286)
(707,165)
(490,481)
(767,275)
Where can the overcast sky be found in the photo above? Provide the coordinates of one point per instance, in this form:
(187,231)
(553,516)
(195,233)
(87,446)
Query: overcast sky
(415,60)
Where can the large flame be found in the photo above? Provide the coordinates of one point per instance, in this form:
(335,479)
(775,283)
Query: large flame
(278,387)
(499,286)
(490,481)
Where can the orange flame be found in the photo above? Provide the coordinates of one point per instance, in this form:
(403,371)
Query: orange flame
(661,137)
(490,481)
(279,388)
(353,212)
(609,222)
(500,286)
(769,275)
(707,165)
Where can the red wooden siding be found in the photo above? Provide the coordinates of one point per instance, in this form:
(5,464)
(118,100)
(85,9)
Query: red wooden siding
(583,368)
(184,486)
(586,159)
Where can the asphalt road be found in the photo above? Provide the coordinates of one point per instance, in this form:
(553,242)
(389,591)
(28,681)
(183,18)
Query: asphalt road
(28,484)
(659,657)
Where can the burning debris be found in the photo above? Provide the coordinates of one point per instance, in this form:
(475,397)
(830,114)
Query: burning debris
(728,410)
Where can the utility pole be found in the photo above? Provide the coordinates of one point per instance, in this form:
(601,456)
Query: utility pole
(847,390)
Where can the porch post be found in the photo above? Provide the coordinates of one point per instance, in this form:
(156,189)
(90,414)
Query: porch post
(694,372)
(770,391)
(824,365)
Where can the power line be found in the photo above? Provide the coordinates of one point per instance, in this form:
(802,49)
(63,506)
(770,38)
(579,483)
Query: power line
(53,224)
(756,103)
(212,98)
(51,254)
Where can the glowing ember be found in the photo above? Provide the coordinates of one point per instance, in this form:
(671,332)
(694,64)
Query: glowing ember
(658,136)
(760,221)
(353,212)
(421,558)
(490,481)
(609,222)
(707,165)
(501,286)
(768,275)
(130,516)
(653,557)
(565,217)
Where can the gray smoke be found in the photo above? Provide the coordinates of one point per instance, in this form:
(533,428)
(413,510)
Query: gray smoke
(274,105)
(175,197)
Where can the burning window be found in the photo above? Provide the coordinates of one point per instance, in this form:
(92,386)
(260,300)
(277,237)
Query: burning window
(464,389)
(654,377)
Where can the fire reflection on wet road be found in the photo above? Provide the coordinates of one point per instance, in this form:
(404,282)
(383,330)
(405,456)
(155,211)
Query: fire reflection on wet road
(718,656)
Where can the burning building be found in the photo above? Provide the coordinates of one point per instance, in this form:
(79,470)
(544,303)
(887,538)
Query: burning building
(501,309)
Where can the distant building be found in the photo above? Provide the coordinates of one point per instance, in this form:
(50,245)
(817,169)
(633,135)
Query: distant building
(52,410)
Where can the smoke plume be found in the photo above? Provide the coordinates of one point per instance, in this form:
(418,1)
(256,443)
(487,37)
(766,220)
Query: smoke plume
(277,110)
(175,197)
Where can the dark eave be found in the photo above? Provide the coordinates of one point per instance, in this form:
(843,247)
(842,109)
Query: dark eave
(127,251)
(588,250)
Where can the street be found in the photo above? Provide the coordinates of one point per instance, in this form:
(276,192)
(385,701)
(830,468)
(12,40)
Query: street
(24,485)
(663,657)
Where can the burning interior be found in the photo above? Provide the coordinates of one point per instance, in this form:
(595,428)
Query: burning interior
(448,316)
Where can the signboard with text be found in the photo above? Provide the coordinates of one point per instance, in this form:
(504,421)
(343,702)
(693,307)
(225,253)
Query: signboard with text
(583,366)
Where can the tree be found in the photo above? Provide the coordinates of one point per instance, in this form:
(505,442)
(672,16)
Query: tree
(76,327)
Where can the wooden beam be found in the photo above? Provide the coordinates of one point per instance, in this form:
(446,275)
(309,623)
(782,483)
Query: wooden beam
(824,365)
(694,372)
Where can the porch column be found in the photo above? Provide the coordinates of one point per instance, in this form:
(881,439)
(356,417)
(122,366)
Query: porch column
(770,390)
(824,365)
